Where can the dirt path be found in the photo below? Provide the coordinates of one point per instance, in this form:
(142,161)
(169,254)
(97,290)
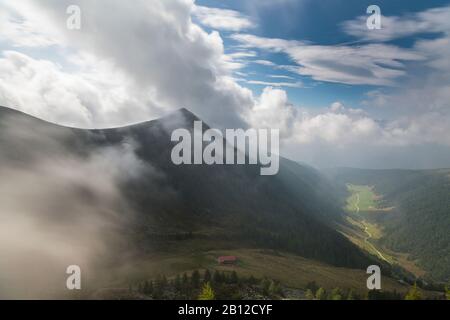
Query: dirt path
(369,235)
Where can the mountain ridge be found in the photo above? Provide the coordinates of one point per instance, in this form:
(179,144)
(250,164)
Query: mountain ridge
(228,204)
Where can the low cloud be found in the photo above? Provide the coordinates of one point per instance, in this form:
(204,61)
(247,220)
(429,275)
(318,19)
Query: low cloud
(60,208)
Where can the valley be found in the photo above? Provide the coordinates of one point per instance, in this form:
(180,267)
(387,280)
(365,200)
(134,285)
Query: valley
(363,199)
(363,204)
(400,210)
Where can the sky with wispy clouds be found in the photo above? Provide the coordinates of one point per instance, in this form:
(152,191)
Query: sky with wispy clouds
(341,94)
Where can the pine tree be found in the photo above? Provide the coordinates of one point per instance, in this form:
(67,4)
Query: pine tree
(413,293)
(185,280)
(336,294)
(321,294)
(252,280)
(207,292)
(216,277)
(159,287)
(374,295)
(177,283)
(195,279)
(146,287)
(266,286)
(312,286)
(447,292)
(185,285)
(234,277)
(351,295)
(151,288)
(207,276)
(309,294)
(164,281)
(275,289)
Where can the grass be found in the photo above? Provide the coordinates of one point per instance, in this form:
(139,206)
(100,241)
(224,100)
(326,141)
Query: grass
(362,198)
(361,201)
(291,270)
(356,234)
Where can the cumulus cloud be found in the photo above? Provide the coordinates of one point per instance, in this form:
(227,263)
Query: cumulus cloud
(344,136)
(343,127)
(96,95)
(273,111)
(169,61)
(222,19)
(335,125)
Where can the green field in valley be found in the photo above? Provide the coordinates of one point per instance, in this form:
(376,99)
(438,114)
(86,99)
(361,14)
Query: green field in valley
(362,198)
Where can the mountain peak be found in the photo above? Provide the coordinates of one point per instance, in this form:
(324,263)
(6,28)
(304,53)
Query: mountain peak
(189,115)
(180,118)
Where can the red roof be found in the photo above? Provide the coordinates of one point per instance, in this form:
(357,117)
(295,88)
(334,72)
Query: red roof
(224,259)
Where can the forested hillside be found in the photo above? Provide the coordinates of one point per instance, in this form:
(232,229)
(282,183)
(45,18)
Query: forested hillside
(419,220)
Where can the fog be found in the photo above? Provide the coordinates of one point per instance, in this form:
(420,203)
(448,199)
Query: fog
(59,208)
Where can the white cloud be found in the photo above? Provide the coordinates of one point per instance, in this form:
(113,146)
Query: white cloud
(334,129)
(273,110)
(223,19)
(242,54)
(276,84)
(99,95)
(266,63)
(334,126)
(26,25)
(276,76)
(437,52)
(436,20)
(165,61)
(372,64)
(336,106)
(343,136)
(60,207)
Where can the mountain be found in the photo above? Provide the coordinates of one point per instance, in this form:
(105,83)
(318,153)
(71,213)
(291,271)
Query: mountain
(127,175)
(418,219)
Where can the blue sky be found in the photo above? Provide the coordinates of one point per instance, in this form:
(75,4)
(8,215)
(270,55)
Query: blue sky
(318,22)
